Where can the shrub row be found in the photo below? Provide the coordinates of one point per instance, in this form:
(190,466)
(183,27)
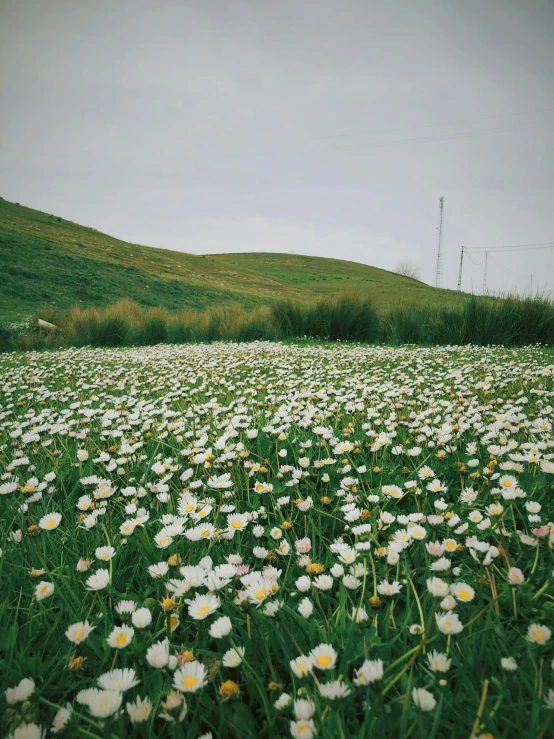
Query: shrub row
(511,321)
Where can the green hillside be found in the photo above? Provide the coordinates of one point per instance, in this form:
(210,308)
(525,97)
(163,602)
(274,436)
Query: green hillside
(48,261)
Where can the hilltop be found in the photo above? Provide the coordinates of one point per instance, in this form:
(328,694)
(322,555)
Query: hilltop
(48,261)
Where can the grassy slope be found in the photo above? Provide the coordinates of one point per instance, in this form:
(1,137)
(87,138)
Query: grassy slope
(45,260)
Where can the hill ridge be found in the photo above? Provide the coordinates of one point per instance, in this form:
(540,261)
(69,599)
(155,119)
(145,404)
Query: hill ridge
(46,260)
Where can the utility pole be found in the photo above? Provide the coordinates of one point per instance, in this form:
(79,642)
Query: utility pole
(485,273)
(460,273)
(438,274)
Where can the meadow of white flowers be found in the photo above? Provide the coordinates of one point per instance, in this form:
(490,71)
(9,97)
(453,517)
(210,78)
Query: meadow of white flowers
(262,540)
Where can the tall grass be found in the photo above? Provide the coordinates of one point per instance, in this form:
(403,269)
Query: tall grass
(345,317)
(126,323)
(511,321)
(6,339)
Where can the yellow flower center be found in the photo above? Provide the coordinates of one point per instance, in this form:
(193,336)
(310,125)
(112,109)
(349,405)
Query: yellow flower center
(190,681)
(204,610)
(464,595)
(79,634)
(261,593)
(324,660)
(51,525)
(121,640)
(237,524)
(206,533)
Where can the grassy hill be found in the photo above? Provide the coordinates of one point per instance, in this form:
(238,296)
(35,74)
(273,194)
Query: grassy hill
(48,261)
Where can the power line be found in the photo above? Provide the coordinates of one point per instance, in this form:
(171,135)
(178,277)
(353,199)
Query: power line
(488,256)
(508,271)
(499,249)
(512,247)
(477,264)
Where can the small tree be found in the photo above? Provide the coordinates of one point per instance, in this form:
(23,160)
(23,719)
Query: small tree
(408,269)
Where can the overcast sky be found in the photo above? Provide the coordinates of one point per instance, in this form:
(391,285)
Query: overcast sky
(324,127)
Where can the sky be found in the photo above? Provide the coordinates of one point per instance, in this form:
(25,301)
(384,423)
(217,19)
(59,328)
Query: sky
(318,127)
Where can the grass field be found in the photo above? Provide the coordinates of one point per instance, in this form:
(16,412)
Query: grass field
(46,261)
(260,540)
